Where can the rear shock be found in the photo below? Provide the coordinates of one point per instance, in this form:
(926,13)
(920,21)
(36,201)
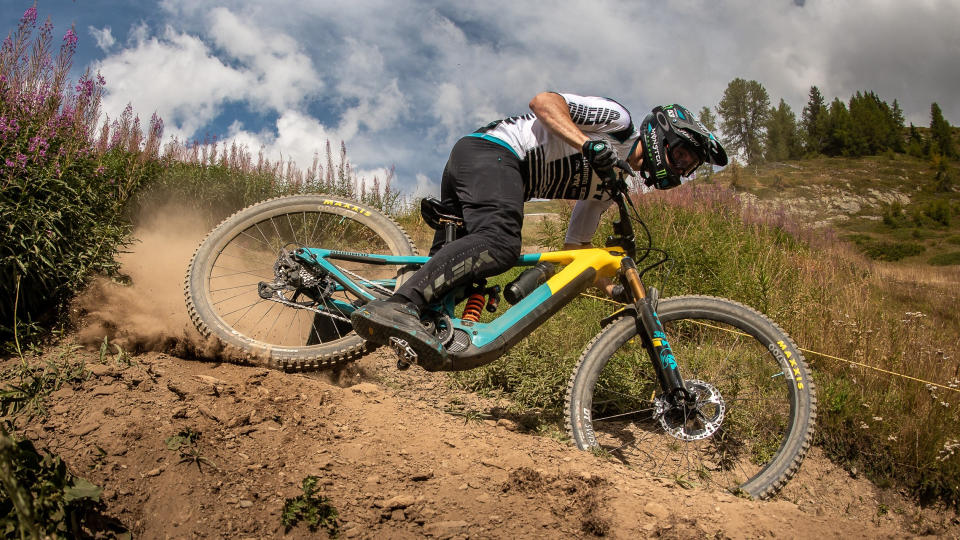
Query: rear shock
(474,307)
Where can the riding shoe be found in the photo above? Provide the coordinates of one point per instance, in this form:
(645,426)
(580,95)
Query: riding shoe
(378,321)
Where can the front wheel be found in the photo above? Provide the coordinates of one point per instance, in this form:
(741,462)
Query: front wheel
(244,289)
(756,403)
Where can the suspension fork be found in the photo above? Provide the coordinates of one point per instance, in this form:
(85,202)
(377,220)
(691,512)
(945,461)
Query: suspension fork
(652,335)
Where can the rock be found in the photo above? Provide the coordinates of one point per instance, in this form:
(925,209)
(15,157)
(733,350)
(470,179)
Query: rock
(84,429)
(366,389)
(104,390)
(398,515)
(422,477)
(212,380)
(445,528)
(399,501)
(176,390)
(244,503)
(102,370)
(208,413)
(656,510)
(153,472)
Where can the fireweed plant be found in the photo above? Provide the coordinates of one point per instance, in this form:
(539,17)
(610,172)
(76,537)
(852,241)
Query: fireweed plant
(64,184)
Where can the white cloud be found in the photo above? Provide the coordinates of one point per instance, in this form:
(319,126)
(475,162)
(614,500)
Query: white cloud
(103,37)
(281,75)
(426,187)
(176,76)
(400,81)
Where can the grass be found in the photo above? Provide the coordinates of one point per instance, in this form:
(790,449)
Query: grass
(831,299)
(895,207)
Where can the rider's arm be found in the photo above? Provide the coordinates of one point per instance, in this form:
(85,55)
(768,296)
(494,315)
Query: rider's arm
(552,110)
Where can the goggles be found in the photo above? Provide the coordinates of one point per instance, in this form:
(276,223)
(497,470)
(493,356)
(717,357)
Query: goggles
(682,161)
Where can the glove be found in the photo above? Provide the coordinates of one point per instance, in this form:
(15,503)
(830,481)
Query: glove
(601,155)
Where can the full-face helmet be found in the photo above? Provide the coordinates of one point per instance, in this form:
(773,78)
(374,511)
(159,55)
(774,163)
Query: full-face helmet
(675,143)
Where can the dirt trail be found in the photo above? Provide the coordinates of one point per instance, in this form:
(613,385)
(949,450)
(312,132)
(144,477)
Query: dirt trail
(399,454)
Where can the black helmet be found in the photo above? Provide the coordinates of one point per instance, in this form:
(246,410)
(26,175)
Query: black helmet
(667,128)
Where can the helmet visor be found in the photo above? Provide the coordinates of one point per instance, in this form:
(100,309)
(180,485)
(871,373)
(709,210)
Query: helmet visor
(682,161)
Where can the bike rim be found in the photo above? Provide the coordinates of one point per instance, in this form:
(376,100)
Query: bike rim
(743,422)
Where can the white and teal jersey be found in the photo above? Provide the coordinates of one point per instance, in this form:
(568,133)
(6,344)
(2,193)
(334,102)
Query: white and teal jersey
(551,168)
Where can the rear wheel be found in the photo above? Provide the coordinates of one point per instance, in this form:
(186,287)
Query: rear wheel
(755,410)
(306,323)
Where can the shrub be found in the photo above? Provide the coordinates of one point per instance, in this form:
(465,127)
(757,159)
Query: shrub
(939,211)
(62,196)
(945,259)
(40,498)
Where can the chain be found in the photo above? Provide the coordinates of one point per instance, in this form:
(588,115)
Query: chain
(367,282)
(281,300)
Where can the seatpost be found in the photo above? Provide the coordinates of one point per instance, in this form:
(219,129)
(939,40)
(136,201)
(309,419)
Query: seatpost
(449,232)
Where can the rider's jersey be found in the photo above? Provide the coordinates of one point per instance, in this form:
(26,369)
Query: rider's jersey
(551,168)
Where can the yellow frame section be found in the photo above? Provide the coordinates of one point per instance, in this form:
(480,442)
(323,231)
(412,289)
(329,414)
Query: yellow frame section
(605,262)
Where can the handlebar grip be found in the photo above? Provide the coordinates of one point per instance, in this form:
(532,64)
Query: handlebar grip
(611,174)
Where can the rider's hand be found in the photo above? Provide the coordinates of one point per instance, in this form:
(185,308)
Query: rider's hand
(601,154)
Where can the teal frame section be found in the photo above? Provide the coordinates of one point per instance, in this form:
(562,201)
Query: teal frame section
(481,334)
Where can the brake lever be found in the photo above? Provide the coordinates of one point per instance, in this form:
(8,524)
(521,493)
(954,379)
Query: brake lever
(614,180)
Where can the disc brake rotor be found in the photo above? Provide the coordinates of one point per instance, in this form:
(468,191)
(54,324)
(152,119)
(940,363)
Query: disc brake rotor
(692,423)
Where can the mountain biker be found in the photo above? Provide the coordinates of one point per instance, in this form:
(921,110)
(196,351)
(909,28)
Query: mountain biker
(555,152)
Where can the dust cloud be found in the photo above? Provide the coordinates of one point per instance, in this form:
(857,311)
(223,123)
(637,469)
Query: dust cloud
(148,313)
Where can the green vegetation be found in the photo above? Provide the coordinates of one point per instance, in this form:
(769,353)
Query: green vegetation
(832,301)
(40,498)
(71,192)
(311,509)
(892,209)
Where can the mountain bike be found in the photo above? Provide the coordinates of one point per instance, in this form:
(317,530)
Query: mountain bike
(700,389)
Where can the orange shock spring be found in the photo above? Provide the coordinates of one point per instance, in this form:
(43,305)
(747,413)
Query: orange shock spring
(471,312)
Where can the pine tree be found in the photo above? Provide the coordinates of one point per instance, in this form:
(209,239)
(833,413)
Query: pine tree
(814,121)
(744,110)
(783,138)
(896,134)
(916,146)
(837,129)
(940,132)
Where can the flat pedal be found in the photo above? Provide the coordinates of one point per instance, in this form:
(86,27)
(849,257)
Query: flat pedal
(405,353)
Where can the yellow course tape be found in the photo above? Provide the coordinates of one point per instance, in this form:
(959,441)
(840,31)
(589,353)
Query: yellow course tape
(808,351)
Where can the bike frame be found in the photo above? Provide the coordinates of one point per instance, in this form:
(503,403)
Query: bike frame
(488,341)
(485,342)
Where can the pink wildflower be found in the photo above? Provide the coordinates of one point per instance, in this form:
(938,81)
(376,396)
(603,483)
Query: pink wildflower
(70,37)
(29,17)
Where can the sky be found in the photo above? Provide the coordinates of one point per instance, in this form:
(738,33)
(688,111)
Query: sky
(399,81)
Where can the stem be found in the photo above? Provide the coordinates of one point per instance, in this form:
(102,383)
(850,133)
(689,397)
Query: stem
(16,323)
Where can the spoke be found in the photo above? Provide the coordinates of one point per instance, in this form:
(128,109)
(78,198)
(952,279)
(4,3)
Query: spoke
(276,230)
(237,287)
(313,232)
(292,232)
(246,312)
(236,272)
(262,317)
(238,309)
(621,415)
(231,297)
(259,230)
